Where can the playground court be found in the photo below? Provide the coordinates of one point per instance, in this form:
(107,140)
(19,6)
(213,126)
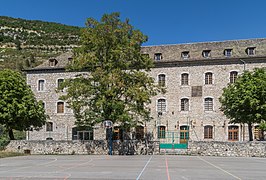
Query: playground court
(131,167)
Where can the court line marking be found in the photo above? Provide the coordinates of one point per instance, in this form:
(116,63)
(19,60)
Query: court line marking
(219,168)
(167,171)
(144,168)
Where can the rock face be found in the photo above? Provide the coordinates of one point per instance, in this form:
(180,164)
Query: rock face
(130,147)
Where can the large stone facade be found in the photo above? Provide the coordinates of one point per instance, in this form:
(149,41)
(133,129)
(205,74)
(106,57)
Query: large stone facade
(190,107)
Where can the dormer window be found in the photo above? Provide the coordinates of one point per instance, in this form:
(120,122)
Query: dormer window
(206,53)
(228,52)
(250,51)
(52,62)
(70,59)
(158,56)
(185,54)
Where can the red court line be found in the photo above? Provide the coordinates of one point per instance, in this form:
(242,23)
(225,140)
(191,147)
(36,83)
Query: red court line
(166,166)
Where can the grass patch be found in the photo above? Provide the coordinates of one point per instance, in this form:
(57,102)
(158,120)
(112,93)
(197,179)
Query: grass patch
(4,154)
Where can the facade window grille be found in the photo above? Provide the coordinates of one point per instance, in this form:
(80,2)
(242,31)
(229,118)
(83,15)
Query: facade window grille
(208,78)
(161,132)
(233,76)
(208,132)
(250,51)
(208,104)
(184,104)
(49,126)
(206,53)
(184,79)
(161,105)
(228,52)
(59,83)
(158,56)
(233,132)
(185,54)
(161,80)
(41,85)
(60,107)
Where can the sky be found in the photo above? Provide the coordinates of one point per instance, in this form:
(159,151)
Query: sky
(163,21)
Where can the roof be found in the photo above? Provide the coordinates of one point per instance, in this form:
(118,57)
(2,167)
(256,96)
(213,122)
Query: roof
(173,53)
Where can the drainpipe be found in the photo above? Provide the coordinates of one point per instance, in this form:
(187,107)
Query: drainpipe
(243,131)
(244,62)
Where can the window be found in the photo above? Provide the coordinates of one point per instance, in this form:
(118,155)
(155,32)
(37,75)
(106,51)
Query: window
(43,105)
(49,126)
(158,56)
(161,132)
(206,53)
(52,62)
(208,132)
(184,79)
(184,104)
(82,133)
(233,76)
(59,83)
(60,107)
(258,133)
(161,79)
(208,104)
(228,52)
(250,51)
(233,133)
(185,54)
(41,85)
(208,78)
(161,105)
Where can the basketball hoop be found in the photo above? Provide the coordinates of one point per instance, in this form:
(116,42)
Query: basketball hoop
(107,124)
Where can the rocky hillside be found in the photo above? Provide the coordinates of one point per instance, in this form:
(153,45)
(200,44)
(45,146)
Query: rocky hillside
(25,43)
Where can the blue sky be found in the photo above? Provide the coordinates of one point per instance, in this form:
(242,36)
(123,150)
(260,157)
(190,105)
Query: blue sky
(164,21)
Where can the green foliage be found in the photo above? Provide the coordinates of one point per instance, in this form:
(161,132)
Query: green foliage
(263,125)
(245,100)
(31,32)
(117,87)
(19,109)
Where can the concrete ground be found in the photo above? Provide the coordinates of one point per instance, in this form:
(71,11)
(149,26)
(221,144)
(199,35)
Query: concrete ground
(131,167)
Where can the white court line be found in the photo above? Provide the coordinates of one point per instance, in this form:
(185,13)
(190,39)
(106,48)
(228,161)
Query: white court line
(143,168)
(219,168)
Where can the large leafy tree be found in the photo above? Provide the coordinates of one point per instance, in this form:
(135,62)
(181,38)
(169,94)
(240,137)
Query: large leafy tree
(245,100)
(19,109)
(115,84)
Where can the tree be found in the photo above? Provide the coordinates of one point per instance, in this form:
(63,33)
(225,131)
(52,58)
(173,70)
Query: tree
(245,100)
(19,109)
(117,87)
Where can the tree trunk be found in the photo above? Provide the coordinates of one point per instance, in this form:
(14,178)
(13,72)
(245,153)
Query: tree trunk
(11,134)
(250,132)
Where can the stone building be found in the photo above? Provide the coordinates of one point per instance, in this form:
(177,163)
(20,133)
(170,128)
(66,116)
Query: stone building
(194,75)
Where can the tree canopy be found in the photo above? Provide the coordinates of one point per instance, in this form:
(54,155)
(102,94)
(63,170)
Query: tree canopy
(19,109)
(115,84)
(245,100)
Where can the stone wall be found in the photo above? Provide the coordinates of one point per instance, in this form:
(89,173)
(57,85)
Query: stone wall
(96,147)
(234,149)
(130,147)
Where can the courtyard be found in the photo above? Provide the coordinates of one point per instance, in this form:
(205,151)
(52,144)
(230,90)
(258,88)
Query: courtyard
(131,167)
